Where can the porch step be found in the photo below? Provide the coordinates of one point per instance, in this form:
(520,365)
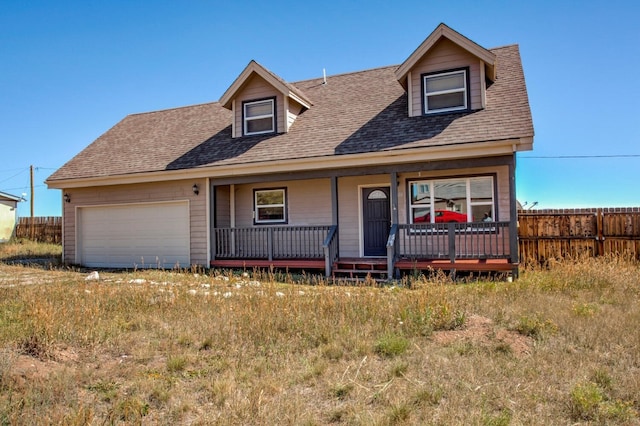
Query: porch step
(360,267)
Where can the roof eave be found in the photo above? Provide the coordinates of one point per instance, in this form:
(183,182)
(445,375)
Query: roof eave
(395,156)
(10,197)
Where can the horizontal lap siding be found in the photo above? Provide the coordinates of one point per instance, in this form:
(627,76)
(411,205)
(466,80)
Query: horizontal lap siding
(308,201)
(294,110)
(257,88)
(308,204)
(141,193)
(222,207)
(445,56)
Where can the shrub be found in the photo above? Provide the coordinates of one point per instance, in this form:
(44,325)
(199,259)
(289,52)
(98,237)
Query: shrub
(535,326)
(391,345)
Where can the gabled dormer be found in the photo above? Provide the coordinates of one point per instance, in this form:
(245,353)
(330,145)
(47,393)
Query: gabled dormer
(446,73)
(262,103)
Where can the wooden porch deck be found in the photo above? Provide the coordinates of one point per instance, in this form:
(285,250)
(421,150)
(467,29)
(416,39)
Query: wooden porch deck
(472,247)
(376,267)
(468,265)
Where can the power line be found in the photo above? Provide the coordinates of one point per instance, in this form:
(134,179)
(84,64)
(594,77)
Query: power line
(17,174)
(13,170)
(36,168)
(25,186)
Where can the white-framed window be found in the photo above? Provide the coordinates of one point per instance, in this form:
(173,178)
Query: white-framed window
(270,205)
(259,117)
(445,91)
(459,200)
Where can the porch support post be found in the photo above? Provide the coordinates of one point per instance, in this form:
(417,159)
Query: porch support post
(270,243)
(232,216)
(334,200)
(513,218)
(212,222)
(391,248)
(394,198)
(334,219)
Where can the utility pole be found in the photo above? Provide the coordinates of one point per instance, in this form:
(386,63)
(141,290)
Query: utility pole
(31,228)
(31,179)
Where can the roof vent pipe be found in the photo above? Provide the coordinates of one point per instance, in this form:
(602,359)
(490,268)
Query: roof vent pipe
(324,76)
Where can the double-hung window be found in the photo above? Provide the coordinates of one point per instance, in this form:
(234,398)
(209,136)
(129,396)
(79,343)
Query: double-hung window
(259,117)
(270,205)
(452,200)
(445,91)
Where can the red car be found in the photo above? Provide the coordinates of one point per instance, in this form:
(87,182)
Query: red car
(443,216)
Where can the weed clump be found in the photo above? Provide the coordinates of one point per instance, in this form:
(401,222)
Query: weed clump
(391,345)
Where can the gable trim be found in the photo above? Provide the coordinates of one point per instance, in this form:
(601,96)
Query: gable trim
(279,84)
(442,30)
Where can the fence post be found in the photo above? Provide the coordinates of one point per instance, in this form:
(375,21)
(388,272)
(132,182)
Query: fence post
(600,232)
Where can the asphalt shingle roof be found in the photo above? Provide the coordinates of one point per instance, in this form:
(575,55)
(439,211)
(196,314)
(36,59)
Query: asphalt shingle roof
(354,113)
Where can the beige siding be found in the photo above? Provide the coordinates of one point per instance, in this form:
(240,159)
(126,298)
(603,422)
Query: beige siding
(258,88)
(223,207)
(294,110)
(308,201)
(349,223)
(141,193)
(445,55)
(8,219)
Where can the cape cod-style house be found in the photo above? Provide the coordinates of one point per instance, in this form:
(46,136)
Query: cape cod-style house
(400,167)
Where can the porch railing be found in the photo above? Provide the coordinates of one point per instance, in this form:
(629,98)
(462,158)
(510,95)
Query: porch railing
(271,242)
(477,240)
(330,247)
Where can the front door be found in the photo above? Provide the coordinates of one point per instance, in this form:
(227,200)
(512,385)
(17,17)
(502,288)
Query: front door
(376,220)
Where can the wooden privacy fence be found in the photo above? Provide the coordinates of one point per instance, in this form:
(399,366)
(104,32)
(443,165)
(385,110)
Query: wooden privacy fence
(43,229)
(559,233)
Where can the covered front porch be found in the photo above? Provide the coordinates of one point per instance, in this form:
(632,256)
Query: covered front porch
(482,246)
(369,220)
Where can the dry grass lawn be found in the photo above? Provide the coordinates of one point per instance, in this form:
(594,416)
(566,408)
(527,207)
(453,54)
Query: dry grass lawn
(558,346)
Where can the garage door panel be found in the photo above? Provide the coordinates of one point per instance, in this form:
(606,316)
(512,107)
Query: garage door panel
(140,235)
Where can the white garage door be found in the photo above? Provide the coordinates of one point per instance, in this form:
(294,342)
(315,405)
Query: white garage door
(154,235)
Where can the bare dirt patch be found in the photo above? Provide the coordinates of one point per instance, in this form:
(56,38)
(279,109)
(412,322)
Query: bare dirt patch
(482,331)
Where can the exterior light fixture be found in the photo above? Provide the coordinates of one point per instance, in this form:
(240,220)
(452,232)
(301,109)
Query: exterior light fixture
(195,188)
(67,198)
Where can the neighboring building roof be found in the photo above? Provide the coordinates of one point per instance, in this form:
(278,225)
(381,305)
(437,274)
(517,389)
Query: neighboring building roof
(5,196)
(353,113)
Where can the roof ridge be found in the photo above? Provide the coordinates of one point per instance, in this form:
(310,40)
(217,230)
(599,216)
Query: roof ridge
(345,73)
(173,108)
(504,46)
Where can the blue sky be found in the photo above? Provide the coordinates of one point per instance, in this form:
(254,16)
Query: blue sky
(71,70)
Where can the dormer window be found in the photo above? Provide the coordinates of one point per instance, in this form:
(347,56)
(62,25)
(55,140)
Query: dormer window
(259,117)
(446,91)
